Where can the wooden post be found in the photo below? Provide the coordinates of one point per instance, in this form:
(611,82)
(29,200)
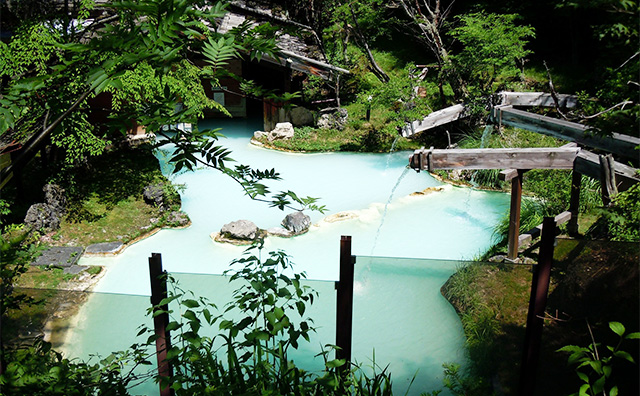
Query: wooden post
(344,311)
(160,322)
(607,179)
(537,305)
(514,215)
(2,362)
(574,202)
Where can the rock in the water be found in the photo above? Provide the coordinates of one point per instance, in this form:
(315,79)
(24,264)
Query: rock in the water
(333,118)
(42,216)
(301,116)
(297,222)
(259,134)
(241,229)
(283,130)
(279,232)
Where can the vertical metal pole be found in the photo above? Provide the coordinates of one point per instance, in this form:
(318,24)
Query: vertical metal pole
(160,322)
(537,305)
(514,215)
(344,311)
(574,202)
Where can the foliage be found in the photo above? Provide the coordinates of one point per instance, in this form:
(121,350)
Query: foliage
(622,219)
(493,49)
(594,366)
(459,384)
(39,370)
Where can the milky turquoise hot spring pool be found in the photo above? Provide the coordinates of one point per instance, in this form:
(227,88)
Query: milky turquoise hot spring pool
(399,313)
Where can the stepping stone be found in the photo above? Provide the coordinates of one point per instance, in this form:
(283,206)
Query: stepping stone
(75,269)
(59,256)
(104,248)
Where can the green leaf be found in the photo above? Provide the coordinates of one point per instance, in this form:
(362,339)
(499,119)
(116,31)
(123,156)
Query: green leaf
(624,355)
(633,336)
(583,376)
(189,303)
(336,363)
(584,390)
(617,328)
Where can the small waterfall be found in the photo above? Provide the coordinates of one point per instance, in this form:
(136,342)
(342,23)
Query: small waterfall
(483,140)
(485,134)
(386,207)
(393,147)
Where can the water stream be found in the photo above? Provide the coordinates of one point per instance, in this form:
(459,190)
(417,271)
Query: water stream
(398,313)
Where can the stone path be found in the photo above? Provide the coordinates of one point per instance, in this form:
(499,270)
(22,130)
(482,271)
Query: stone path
(66,257)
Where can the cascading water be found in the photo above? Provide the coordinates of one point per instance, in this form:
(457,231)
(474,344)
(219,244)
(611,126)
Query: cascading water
(393,147)
(386,207)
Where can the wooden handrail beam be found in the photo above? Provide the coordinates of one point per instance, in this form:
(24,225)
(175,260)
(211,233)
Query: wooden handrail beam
(588,164)
(622,145)
(501,158)
(437,118)
(534,233)
(537,99)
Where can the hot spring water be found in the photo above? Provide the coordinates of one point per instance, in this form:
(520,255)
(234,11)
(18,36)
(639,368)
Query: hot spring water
(399,314)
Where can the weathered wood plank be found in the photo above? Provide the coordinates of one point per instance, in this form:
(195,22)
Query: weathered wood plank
(535,99)
(437,118)
(534,233)
(616,143)
(509,174)
(588,164)
(501,158)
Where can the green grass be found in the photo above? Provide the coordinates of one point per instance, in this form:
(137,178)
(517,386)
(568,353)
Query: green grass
(122,222)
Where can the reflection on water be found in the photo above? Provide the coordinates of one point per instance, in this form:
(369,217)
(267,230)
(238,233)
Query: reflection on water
(398,309)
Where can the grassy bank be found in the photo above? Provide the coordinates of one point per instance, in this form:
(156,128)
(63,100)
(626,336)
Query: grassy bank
(593,283)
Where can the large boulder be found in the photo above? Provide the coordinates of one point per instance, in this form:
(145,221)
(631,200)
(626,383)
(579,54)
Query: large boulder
(333,118)
(241,229)
(161,196)
(47,216)
(282,131)
(297,222)
(54,196)
(42,216)
(301,116)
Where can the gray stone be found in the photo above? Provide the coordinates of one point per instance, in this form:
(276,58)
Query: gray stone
(241,229)
(59,256)
(154,195)
(279,232)
(178,218)
(301,116)
(54,196)
(282,131)
(297,222)
(104,248)
(333,118)
(42,216)
(259,134)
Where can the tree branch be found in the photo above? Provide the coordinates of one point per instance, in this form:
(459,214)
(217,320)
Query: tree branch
(37,140)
